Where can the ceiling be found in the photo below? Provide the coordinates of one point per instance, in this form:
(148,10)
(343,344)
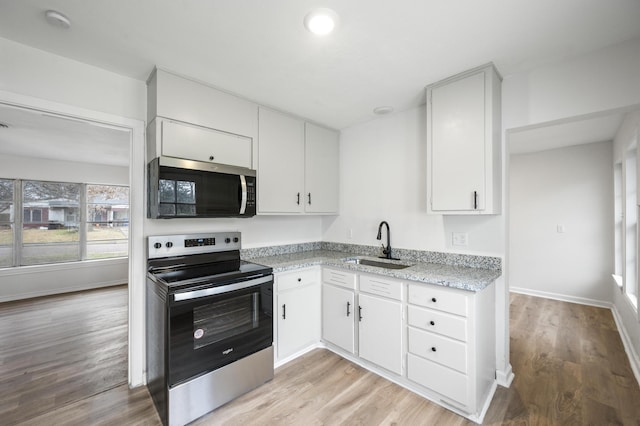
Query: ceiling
(382,53)
(590,128)
(36,134)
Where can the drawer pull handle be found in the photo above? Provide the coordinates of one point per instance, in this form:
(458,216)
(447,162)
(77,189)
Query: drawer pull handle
(211,158)
(434,300)
(432,322)
(359,313)
(284,311)
(299,279)
(348,308)
(433,349)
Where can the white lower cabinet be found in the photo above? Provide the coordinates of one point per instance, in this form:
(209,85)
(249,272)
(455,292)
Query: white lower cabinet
(297,322)
(338,311)
(451,345)
(339,308)
(380,327)
(436,341)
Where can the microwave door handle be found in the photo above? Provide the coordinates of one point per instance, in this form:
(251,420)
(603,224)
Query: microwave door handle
(243,190)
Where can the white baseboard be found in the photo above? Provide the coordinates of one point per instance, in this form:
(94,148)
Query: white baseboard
(301,352)
(59,290)
(505,377)
(634,360)
(561,297)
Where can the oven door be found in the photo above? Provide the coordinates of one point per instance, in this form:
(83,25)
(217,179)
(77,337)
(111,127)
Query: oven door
(212,327)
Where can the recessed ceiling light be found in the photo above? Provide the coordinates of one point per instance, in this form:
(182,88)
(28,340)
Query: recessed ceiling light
(382,110)
(321,21)
(57,19)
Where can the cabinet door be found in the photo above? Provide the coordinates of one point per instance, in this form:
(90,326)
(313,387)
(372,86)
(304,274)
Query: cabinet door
(280,163)
(458,144)
(186,100)
(321,169)
(201,144)
(338,326)
(380,338)
(298,319)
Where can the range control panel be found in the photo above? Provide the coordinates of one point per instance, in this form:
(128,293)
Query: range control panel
(185,244)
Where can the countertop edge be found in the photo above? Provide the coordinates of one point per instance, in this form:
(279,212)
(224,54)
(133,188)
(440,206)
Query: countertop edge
(467,279)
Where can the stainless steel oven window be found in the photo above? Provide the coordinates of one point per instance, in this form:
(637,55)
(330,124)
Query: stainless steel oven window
(218,321)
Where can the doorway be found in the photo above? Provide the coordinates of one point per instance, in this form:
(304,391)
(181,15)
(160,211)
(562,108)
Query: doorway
(134,153)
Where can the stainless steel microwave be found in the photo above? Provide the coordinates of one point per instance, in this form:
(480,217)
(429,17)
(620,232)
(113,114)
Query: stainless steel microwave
(179,188)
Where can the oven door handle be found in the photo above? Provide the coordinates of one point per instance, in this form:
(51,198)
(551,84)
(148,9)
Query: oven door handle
(196,294)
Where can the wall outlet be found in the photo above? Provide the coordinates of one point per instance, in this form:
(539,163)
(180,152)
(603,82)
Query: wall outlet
(460,239)
(560,229)
(350,233)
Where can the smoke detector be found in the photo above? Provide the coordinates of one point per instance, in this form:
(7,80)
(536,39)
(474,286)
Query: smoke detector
(57,19)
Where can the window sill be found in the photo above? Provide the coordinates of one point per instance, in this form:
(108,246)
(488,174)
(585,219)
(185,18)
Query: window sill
(47,267)
(618,280)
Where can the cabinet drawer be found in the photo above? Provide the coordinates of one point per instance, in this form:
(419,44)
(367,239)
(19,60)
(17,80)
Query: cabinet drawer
(442,299)
(443,380)
(289,280)
(381,286)
(439,349)
(339,278)
(438,322)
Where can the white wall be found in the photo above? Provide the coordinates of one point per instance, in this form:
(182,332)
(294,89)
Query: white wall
(62,171)
(257,231)
(40,280)
(605,79)
(571,187)
(43,75)
(383,177)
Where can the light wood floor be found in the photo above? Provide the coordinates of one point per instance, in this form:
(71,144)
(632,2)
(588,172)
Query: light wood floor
(568,359)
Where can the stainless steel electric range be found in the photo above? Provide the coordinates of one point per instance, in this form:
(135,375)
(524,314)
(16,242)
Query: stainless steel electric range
(209,324)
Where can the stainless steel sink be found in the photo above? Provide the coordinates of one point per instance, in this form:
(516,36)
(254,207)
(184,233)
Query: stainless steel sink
(376,263)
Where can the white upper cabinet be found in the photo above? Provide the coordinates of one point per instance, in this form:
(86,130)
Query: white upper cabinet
(297,166)
(280,163)
(321,169)
(191,142)
(192,120)
(182,99)
(463,143)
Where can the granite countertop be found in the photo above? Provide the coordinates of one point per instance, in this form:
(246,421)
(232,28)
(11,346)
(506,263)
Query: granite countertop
(460,277)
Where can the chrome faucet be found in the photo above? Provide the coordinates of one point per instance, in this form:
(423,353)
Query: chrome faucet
(385,250)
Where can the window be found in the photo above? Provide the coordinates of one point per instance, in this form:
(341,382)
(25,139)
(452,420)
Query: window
(6,222)
(107,221)
(631,226)
(49,237)
(61,222)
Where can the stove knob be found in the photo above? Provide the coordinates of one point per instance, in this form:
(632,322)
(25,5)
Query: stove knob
(236,239)
(157,245)
(169,244)
(227,240)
